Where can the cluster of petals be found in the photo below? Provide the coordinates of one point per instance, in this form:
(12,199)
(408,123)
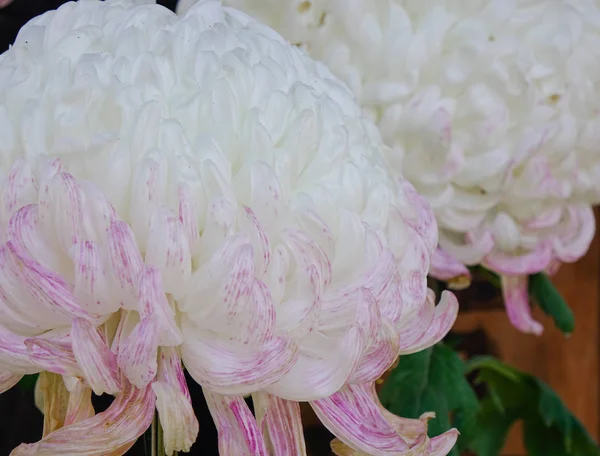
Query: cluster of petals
(491,110)
(194,191)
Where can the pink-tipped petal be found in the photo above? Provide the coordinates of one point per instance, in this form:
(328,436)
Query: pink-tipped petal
(153,301)
(8,380)
(108,433)
(126,262)
(281,424)
(180,426)
(529,263)
(137,356)
(355,417)
(236,426)
(430,331)
(579,233)
(380,355)
(443,444)
(169,250)
(516,301)
(233,368)
(80,404)
(447,268)
(98,363)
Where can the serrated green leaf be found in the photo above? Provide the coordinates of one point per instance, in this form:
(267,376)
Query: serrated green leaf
(433,380)
(551,302)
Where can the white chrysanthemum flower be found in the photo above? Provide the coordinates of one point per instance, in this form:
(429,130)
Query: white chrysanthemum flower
(492,112)
(197,189)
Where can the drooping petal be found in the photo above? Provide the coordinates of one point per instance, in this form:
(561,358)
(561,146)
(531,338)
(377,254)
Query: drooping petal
(110,432)
(380,355)
(234,368)
(529,263)
(444,316)
(152,300)
(137,355)
(236,426)
(441,445)
(578,235)
(445,267)
(355,417)
(8,380)
(516,300)
(98,363)
(177,418)
(280,423)
(56,399)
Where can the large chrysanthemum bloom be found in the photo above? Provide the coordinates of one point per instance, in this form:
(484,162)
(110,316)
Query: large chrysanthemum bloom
(197,189)
(492,112)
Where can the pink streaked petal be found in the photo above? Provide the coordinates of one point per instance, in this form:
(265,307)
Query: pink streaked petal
(434,330)
(188,217)
(8,380)
(153,301)
(92,285)
(516,301)
(236,426)
(53,356)
(250,225)
(443,444)
(575,242)
(137,356)
(319,373)
(529,263)
(379,357)
(445,267)
(169,250)
(24,229)
(13,354)
(127,322)
(111,432)
(20,187)
(173,403)
(235,368)
(307,252)
(227,275)
(424,222)
(355,417)
(44,295)
(125,260)
(80,404)
(281,424)
(98,363)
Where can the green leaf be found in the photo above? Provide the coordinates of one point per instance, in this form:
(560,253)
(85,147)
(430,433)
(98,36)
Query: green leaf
(549,427)
(433,380)
(551,302)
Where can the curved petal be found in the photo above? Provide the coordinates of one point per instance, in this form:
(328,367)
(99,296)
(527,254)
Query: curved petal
(281,424)
(56,399)
(98,363)
(152,300)
(516,301)
(137,355)
(8,380)
(447,268)
(173,403)
(236,426)
(429,332)
(530,263)
(53,356)
(110,432)
(234,368)
(580,231)
(355,417)
(379,357)
(80,404)
(13,354)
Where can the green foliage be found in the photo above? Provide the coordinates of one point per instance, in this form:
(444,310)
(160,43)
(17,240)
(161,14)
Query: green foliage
(549,428)
(551,302)
(433,380)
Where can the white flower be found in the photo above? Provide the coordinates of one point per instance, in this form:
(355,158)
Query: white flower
(492,112)
(197,189)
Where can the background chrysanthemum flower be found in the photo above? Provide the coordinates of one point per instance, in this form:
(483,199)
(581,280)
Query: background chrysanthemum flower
(197,189)
(492,112)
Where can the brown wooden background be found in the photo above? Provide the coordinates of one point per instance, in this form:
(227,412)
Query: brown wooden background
(570,366)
